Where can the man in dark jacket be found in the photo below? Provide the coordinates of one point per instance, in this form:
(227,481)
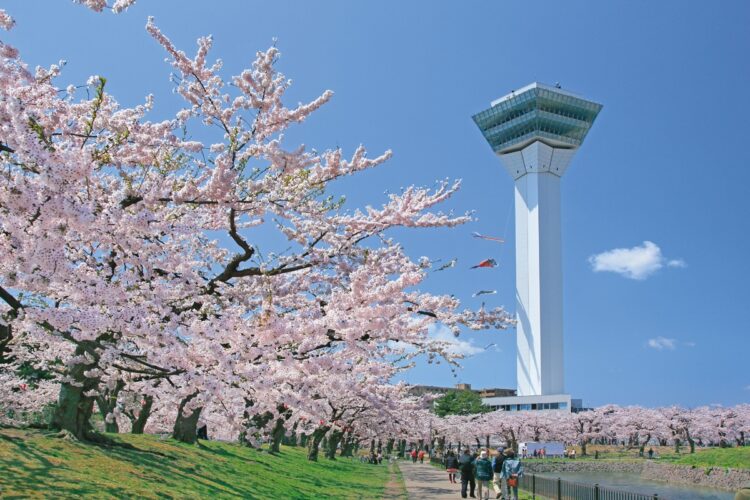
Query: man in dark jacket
(497,468)
(466,466)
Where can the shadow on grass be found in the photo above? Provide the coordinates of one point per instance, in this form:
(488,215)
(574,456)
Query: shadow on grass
(145,467)
(27,467)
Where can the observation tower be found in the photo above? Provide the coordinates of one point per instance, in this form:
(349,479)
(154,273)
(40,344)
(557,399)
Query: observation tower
(536,131)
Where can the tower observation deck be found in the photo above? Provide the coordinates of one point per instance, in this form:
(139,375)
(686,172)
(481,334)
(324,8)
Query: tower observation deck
(536,131)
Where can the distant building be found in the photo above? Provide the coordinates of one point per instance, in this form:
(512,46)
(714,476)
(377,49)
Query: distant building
(421,390)
(561,402)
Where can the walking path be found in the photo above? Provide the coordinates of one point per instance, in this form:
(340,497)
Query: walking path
(423,481)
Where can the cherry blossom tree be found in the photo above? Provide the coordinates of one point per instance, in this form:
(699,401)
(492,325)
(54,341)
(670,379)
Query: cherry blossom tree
(109,278)
(635,425)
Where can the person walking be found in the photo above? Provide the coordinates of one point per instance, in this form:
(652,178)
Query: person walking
(414,456)
(497,469)
(451,466)
(421,456)
(483,473)
(466,466)
(512,472)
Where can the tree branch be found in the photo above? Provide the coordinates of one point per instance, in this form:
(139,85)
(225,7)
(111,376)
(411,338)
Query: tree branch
(10,299)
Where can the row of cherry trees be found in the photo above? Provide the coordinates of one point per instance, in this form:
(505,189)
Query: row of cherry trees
(197,269)
(632,426)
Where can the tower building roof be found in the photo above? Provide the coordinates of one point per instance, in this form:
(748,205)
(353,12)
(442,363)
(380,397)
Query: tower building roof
(537,112)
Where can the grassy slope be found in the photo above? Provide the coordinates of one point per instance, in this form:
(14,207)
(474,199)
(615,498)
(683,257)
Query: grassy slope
(33,465)
(736,458)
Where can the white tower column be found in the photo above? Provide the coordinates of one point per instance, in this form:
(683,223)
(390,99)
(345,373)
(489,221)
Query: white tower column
(539,285)
(536,131)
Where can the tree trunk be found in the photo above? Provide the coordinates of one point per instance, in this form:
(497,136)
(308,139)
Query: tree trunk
(389,446)
(74,408)
(247,421)
(107,402)
(111,427)
(347,448)
(6,335)
(345,442)
(291,439)
(186,426)
(333,444)
(488,442)
(583,447)
(73,412)
(314,442)
(140,421)
(303,439)
(643,446)
(277,434)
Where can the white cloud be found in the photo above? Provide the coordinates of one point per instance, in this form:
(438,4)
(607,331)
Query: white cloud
(636,263)
(661,343)
(454,345)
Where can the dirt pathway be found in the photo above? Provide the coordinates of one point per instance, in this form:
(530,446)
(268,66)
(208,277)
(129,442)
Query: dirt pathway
(424,481)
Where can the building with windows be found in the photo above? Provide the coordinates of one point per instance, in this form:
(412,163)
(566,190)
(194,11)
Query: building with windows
(534,403)
(421,390)
(536,131)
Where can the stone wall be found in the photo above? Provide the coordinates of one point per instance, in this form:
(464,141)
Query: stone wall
(548,467)
(713,477)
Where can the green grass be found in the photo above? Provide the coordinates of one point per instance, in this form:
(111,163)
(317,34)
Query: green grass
(33,465)
(735,458)
(396,487)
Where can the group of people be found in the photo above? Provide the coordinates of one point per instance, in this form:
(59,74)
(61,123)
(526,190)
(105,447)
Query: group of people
(376,459)
(541,453)
(478,471)
(417,455)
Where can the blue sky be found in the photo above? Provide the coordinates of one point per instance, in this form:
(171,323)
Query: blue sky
(665,162)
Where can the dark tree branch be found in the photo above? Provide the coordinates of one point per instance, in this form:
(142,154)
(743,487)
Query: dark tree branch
(10,299)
